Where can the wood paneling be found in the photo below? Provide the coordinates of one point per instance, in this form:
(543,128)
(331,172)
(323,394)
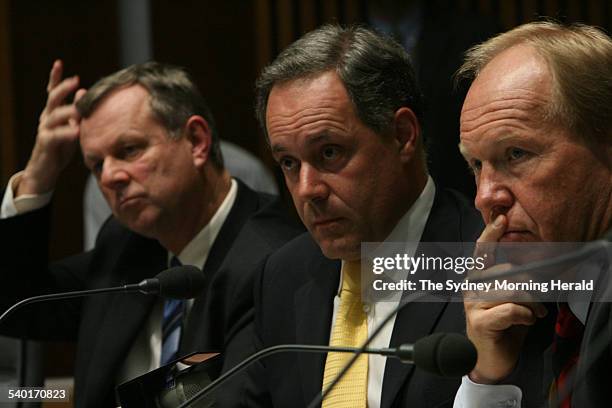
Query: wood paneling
(8,152)
(215,41)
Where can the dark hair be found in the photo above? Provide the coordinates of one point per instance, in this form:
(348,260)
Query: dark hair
(173,98)
(375,70)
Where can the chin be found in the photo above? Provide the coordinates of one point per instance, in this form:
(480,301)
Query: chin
(340,250)
(143,225)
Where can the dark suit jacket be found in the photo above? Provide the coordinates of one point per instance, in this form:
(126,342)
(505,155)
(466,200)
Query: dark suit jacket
(593,373)
(594,370)
(105,326)
(294,304)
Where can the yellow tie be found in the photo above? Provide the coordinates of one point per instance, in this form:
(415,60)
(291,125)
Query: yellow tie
(350,329)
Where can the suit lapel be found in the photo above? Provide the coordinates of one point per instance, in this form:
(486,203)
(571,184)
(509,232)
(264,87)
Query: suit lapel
(314,303)
(407,329)
(247,203)
(419,319)
(122,316)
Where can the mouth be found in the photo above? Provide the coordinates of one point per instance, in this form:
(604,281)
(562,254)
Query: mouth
(127,201)
(517,236)
(325,222)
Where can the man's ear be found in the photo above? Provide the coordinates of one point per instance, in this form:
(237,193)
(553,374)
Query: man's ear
(199,135)
(406,132)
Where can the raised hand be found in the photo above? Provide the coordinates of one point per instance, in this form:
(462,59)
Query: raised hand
(57,136)
(497,329)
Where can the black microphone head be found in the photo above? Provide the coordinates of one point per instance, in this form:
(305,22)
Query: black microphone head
(180,282)
(445,354)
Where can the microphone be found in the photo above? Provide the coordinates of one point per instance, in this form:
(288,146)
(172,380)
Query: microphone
(445,354)
(179,282)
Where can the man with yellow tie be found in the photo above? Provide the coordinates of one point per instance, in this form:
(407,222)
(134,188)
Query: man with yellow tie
(341,111)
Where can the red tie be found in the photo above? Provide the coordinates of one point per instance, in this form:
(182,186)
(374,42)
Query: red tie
(565,354)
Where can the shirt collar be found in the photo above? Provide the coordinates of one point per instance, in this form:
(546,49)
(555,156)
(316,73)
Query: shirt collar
(197,250)
(410,227)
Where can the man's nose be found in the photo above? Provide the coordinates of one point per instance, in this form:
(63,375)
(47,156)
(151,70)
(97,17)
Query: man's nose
(113,174)
(311,185)
(493,194)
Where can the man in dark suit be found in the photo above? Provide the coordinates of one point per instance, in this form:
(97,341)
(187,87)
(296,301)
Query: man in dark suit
(149,138)
(536,129)
(341,109)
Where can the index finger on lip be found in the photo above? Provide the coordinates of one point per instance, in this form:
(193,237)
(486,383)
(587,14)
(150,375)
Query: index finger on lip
(486,243)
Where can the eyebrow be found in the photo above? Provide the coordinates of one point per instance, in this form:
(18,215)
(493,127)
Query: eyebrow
(503,138)
(121,139)
(322,137)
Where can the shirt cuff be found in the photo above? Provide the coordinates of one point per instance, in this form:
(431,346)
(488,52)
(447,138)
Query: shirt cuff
(12,206)
(473,395)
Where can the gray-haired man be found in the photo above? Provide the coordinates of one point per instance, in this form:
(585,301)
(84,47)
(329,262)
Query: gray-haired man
(150,140)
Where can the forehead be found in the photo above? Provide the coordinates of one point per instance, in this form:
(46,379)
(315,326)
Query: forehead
(122,111)
(306,112)
(302,100)
(511,92)
(517,74)
(517,71)
(121,103)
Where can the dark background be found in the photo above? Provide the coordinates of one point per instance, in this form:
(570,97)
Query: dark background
(224,44)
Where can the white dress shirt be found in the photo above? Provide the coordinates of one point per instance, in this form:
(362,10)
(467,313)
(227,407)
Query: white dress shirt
(145,353)
(409,229)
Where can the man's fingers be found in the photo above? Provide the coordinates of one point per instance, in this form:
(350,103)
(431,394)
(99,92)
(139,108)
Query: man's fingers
(499,316)
(502,317)
(512,314)
(537,308)
(476,275)
(487,242)
(494,230)
(60,92)
(64,134)
(61,116)
(55,75)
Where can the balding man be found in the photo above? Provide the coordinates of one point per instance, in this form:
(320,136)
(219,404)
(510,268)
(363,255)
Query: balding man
(536,128)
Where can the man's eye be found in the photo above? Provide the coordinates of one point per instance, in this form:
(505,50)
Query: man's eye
(287,164)
(515,153)
(130,150)
(330,152)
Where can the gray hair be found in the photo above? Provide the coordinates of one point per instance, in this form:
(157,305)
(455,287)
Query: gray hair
(375,70)
(580,60)
(173,98)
